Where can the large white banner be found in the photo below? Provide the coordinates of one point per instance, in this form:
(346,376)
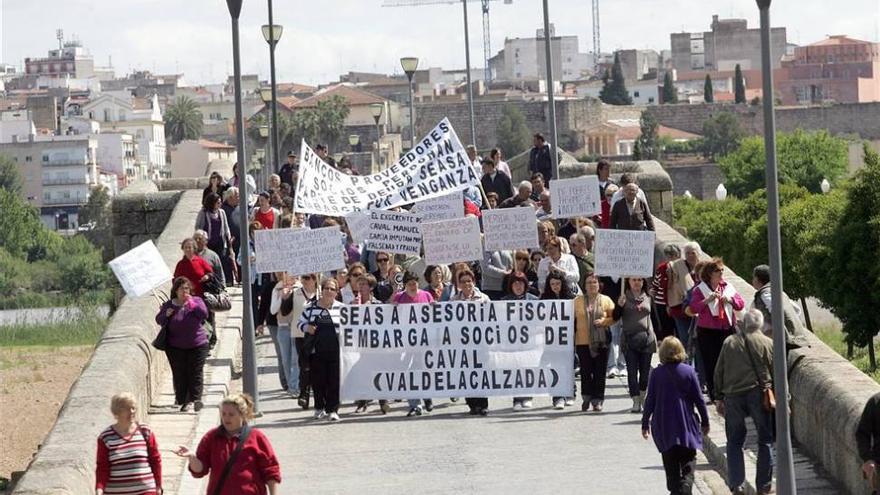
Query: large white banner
(578,197)
(624,253)
(459,349)
(437,165)
(449,241)
(140,270)
(510,228)
(446,207)
(298,251)
(394,232)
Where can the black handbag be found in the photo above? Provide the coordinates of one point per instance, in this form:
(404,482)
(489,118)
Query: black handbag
(161,340)
(213,285)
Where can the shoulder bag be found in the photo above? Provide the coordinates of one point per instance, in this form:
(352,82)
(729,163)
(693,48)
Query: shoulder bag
(161,340)
(768,396)
(245,433)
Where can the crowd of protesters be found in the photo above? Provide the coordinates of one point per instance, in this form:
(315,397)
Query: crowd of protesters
(687,313)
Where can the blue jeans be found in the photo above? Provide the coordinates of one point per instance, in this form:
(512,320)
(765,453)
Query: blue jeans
(282,376)
(736,408)
(289,358)
(616,359)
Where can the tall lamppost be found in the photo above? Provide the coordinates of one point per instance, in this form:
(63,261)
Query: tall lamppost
(272,34)
(785,480)
(264,178)
(410,64)
(548,56)
(268,99)
(467,70)
(376,111)
(249,349)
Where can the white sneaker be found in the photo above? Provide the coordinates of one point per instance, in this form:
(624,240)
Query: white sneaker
(612,373)
(621,373)
(526,404)
(320,414)
(333,417)
(517,406)
(569,401)
(637,405)
(559,404)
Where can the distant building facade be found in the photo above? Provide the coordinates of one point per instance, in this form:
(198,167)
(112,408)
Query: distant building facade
(523,59)
(729,42)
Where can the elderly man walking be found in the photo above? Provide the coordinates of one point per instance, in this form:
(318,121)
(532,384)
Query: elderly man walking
(743,373)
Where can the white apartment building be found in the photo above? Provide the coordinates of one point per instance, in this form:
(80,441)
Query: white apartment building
(523,59)
(141,118)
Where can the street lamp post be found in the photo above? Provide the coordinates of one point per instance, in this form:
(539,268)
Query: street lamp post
(548,55)
(353,140)
(410,64)
(467,70)
(785,479)
(266,96)
(267,154)
(249,349)
(272,34)
(376,110)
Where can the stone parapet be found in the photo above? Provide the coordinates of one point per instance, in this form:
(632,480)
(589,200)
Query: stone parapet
(123,361)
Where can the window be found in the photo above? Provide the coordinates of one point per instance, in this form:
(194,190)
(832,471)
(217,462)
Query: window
(106,115)
(635,94)
(47,196)
(121,115)
(651,99)
(28,158)
(45,158)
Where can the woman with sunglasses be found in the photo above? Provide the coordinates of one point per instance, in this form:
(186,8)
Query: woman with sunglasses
(384,286)
(320,320)
(522,263)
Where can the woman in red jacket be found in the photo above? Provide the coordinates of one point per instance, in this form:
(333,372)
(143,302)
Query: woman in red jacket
(252,471)
(192,266)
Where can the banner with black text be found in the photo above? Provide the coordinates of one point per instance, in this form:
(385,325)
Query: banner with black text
(436,166)
(457,349)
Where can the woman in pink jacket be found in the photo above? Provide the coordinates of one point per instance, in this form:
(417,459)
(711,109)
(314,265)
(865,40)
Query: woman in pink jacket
(715,303)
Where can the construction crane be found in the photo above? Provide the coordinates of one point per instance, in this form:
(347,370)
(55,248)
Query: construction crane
(597,49)
(487,44)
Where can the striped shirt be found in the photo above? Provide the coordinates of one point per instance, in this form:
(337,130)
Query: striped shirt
(327,323)
(129,465)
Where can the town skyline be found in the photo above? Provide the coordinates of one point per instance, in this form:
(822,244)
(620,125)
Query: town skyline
(156,45)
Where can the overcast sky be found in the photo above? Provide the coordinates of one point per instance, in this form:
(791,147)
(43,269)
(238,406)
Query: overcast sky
(325,38)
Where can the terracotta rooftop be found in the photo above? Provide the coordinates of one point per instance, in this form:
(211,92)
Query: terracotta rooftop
(294,88)
(355,96)
(204,143)
(839,40)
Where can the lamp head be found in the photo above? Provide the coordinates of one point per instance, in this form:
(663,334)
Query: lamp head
(763,4)
(409,64)
(272,33)
(354,139)
(266,94)
(264,131)
(721,192)
(825,186)
(376,109)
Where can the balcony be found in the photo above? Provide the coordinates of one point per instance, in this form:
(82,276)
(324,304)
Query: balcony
(65,181)
(65,163)
(64,201)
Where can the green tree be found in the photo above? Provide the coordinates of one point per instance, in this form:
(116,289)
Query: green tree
(739,87)
(708,92)
(97,212)
(805,158)
(851,285)
(10,177)
(81,267)
(670,94)
(183,120)
(22,233)
(513,133)
(721,135)
(648,141)
(614,88)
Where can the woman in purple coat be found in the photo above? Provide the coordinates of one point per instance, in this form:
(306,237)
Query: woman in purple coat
(668,414)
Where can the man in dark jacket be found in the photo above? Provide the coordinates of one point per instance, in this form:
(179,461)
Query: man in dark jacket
(495,182)
(632,212)
(540,160)
(290,170)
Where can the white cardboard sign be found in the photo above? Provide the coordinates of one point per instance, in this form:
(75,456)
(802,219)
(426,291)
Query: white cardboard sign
(140,270)
(578,197)
(299,251)
(510,228)
(394,232)
(624,253)
(449,241)
(446,207)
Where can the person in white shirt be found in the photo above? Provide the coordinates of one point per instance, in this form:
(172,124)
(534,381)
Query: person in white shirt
(557,261)
(498,157)
(475,159)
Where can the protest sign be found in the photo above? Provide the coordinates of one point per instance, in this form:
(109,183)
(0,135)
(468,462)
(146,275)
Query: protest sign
(510,228)
(140,270)
(298,251)
(624,253)
(358,224)
(578,197)
(458,349)
(447,207)
(394,232)
(449,241)
(437,165)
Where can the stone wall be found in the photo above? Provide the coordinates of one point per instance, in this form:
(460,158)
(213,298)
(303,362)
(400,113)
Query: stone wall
(827,393)
(570,115)
(700,179)
(862,119)
(140,214)
(123,361)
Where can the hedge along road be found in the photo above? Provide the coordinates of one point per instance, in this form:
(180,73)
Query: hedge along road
(42,316)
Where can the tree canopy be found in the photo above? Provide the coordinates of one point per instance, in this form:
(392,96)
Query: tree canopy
(739,87)
(804,158)
(708,91)
(670,94)
(514,135)
(647,146)
(614,87)
(10,177)
(721,135)
(183,120)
